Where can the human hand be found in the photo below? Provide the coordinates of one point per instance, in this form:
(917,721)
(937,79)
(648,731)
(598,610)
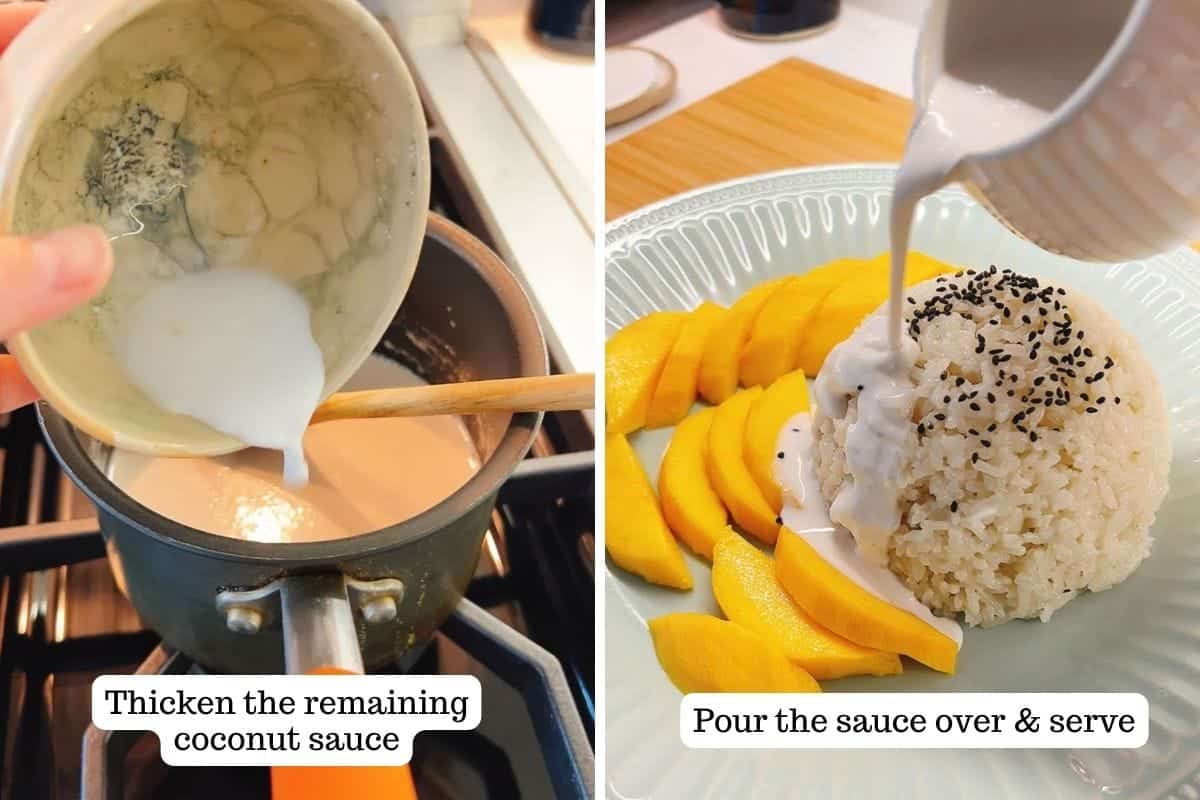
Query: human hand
(42,277)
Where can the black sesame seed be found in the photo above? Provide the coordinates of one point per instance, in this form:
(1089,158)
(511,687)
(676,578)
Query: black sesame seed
(986,442)
(953,506)
(974,458)
(779,454)
(1117,401)
(1033,437)
(946,399)
(1100,400)
(974,406)
(959,381)
(940,417)
(1091,409)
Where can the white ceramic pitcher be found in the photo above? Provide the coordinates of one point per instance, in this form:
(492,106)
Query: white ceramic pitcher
(1114,173)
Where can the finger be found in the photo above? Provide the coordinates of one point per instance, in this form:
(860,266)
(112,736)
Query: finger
(14,18)
(15,388)
(43,277)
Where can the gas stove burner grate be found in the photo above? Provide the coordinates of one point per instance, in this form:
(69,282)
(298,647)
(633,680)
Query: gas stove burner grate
(521,663)
(62,622)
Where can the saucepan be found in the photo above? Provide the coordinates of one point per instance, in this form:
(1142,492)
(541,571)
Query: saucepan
(252,607)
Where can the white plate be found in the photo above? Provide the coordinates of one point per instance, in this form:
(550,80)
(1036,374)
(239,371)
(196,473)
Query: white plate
(1142,636)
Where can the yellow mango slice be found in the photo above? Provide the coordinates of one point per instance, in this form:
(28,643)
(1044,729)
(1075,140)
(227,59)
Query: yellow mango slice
(918,267)
(840,313)
(690,504)
(676,388)
(700,653)
(747,590)
(727,470)
(782,324)
(782,400)
(859,293)
(719,366)
(844,607)
(633,360)
(636,536)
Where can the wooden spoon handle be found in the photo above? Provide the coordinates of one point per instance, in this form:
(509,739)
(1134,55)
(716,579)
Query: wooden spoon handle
(542,393)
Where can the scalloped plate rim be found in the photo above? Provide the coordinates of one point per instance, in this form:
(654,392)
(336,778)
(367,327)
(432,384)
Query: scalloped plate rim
(875,178)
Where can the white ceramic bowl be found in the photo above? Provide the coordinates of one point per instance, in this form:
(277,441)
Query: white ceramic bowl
(273,135)
(1114,174)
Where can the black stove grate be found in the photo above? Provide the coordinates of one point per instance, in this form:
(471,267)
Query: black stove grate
(46,667)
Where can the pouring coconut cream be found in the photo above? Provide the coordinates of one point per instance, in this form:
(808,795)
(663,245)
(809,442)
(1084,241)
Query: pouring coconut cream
(234,349)
(989,95)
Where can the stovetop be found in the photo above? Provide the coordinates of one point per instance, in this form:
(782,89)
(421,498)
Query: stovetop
(63,622)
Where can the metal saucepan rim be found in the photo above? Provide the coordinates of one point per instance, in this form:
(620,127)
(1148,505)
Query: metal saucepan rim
(311,555)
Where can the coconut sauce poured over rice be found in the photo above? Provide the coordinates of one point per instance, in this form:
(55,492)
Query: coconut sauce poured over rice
(1029,445)
(997,443)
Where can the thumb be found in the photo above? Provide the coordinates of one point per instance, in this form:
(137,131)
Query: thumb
(43,277)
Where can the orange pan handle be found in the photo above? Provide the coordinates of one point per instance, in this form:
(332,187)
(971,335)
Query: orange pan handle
(359,783)
(320,639)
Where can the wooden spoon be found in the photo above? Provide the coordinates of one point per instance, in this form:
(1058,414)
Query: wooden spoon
(543,393)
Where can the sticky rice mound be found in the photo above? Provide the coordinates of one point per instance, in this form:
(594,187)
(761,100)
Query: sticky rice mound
(1038,453)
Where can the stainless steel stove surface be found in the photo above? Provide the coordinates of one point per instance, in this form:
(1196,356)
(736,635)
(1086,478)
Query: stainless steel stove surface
(63,622)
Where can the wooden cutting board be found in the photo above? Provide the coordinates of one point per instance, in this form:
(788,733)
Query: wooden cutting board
(793,114)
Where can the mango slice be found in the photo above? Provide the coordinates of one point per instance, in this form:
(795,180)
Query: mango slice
(782,400)
(860,292)
(719,366)
(636,536)
(918,267)
(705,654)
(782,324)
(676,388)
(748,592)
(633,360)
(727,470)
(690,504)
(847,609)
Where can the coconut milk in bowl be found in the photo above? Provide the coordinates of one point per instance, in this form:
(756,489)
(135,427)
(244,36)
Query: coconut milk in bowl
(261,168)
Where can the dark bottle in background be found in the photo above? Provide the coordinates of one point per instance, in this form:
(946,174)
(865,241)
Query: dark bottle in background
(769,19)
(566,25)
